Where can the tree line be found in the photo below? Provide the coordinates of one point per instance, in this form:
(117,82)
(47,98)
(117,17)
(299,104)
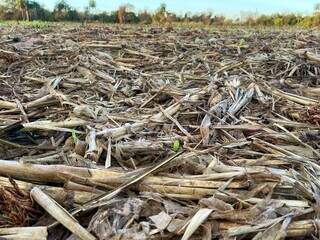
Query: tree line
(62,11)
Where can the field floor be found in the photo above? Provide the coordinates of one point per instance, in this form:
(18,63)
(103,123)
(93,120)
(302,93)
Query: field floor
(159,133)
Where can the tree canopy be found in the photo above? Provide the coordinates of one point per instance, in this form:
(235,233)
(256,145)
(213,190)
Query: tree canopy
(63,11)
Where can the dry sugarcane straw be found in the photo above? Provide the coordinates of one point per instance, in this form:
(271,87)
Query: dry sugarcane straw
(295,229)
(99,201)
(55,174)
(82,194)
(27,233)
(88,112)
(60,214)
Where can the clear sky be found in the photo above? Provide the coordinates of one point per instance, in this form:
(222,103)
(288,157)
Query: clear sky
(226,7)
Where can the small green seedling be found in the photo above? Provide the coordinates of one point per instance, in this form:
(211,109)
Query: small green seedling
(175,146)
(74,136)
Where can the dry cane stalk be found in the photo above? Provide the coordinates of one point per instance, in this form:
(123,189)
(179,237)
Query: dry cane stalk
(309,55)
(92,145)
(60,214)
(7,105)
(301,228)
(82,194)
(55,173)
(24,233)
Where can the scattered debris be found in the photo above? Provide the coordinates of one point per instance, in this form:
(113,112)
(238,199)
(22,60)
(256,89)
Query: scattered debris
(154,133)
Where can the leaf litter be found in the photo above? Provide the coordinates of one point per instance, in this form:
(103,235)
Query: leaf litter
(159,133)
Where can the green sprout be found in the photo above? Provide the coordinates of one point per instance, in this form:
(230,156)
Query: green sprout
(175,146)
(74,136)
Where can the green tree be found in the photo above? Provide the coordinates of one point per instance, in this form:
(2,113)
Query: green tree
(19,6)
(22,6)
(61,10)
(316,17)
(36,11)
(161,14)
(62,6)
(88,10)
(145,17)
(278,21)
(92,4)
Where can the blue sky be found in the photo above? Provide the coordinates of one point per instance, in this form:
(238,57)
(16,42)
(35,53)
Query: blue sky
(226,7)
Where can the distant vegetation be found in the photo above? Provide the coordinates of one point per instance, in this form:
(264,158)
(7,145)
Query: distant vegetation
(32,10)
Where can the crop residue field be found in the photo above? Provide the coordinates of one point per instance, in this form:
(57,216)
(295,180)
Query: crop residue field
(159,133)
